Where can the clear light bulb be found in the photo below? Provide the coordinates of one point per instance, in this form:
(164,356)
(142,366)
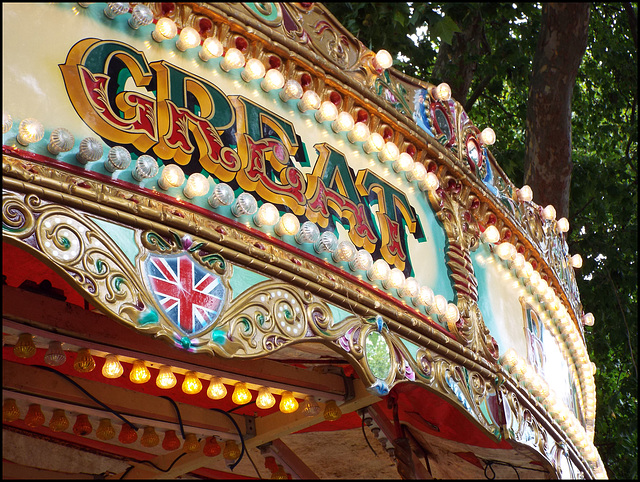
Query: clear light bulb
(118,158)
(113,9)
(327,112)
(403,163)
(588,319)
(172,176)
(344,252)
(61,140)
(327,243)
(273,79)
(344,122)
(430,182)
(30,130)
(140,16)
(112,367)
(291,90)
(549,213)
(7,122)
(216,390)
(309,101)
(488,136)
(417,173)
(211,47)
(576,261)
(222,195)
(440,305)
(506,251)
(361,261)
(425,297)
(525,194)
(383,60)
(265,398)
(410,288)
(90,150)
(146,167)
(374,143)
(395,280)
(359,133)
(389,152)
(253,69)
(379,270)
(267,215)
(308,233)
(188,39)
(442,92)
(166,379)
(245,204)
(490,234)
(166,29)
(197,185)
(233,59)
(563,225)
(55,355)
(310,407)
(288,225)
(452,314)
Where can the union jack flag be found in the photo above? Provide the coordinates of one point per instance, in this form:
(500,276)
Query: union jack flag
(190,295)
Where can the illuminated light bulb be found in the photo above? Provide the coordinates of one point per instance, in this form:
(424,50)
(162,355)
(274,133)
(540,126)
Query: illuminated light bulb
(241,394)
(417,173)
(309,101)
(10,411)
(588,319)
(308,233)
(191,443)
(379,270)
(140,16)
(593,365)
(29,131)
(534,279)
(170,441)
(82,426)
(291,90)
(509,358)
(211,47)
(288,403)
(563,225)
(518,262)
(84,362)
(211,447)
(90,150)
(549,295)
(113,9)
(331,411)
(146,167)
(172,176)
(59,421)
(61,140)
(34,416)
(518,368)
(149,437)
(395,280)
(327,112)
(374,143)
(327,243)
(191,384)
(267,215)
(139,372)
(216,390)
(222,195)
(273,79)
(541,287)
(197,185)
(527,270)
(452,314)
(24,347)
(345,252)
(576,261)
(344,122)
(233,59)
(7,123)
(430,182)
(253,69)
(410,288)
(488,136)
(288,225)
(231,450)
(166,29)
(359,133)
(525,194)
(127,434)
(549,213)
(112,367)
(310,407)
(245,204)
(361,261)
(265,398)
(403,163)
(166,379)
(424,297)
(105,430)
(440,305)
(383,60)
(188,39)
(490,235)
(506,251)
(118,158)
(389,152)
(442,92)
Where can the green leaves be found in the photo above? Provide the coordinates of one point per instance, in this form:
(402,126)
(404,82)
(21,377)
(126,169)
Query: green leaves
(444,29)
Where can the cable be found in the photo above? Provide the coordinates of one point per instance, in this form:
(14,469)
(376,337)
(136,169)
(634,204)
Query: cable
(233,466)
(364,433)
(240,406)
(489,466)
(175,406)
(153,465)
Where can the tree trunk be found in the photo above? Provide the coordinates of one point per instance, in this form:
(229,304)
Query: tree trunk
(561,45)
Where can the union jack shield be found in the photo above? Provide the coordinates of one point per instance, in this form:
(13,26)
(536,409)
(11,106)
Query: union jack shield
(190,296)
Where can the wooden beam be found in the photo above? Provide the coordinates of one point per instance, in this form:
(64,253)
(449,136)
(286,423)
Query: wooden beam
(287,458)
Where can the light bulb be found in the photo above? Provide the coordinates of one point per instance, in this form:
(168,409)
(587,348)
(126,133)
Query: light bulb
(139,372)
(253,69)
(389,152)
(191,443)
(30,130)
(118,158)
(345,252)
(172,176)
(59,421)
(191,384)
(288,403)
(359,133)
(403,163)
(244,204)
(241,394)
(84,362)
(170,442)
(291,90)
(165,379)
(327,243)
(265,399)
(231,450)
(34,416)
(430,182)
(140,16)
(188,39)
(82,427)
(417,173)
(395,280)
(113,9)
(61,140)
(211,47)
(375,143)
(425,297)
(24,347)
(149,437)
(488,136)
(361,261)
(383,60)
(509,358)
(442,92)
(211,447)
(549,213)
(409,288)
(490,234)
(7,122)
(267,215)
(55,355)
(288,225)
(146,167)
(588,319)
(308,233)
(379,270)
(309,101)
(331,411)
(216,390)
(525,194)
(452,314)
(576,261)
(233,59)
(112,367)
(197,185)
(310,407)
(127,434)
(506,251)
(518,262)
(327,112)
(344,122)
(10,411)
(166,29)
(222,195)
(563,225)
(440,305)
(534,279)
(90,150)
(273,79)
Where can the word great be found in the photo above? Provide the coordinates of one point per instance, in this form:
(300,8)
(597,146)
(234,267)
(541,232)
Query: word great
(186,120)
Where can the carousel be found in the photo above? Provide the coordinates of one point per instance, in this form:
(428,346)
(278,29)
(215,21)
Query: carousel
(239,244)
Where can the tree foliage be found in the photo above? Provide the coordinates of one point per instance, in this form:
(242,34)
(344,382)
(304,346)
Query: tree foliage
(497,43)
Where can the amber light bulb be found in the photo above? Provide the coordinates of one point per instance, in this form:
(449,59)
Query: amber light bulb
(166,379)
(82,426)
(231,450)
(191,443)
(331,411)
(171,441)
(84,361)
(10,411)
(241,394)
(24,347)
(212,447)
(34,417)
(216,390)
(191,384)
(149,438)
(105,430)
(139,372)
(59,421)
(288,403)
(265,399)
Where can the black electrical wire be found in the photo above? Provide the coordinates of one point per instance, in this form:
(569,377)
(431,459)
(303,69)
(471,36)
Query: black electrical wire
(240,406)
(178,413)
(153,465)
(489,464)
(233,466)
(49,369)
(364,433)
